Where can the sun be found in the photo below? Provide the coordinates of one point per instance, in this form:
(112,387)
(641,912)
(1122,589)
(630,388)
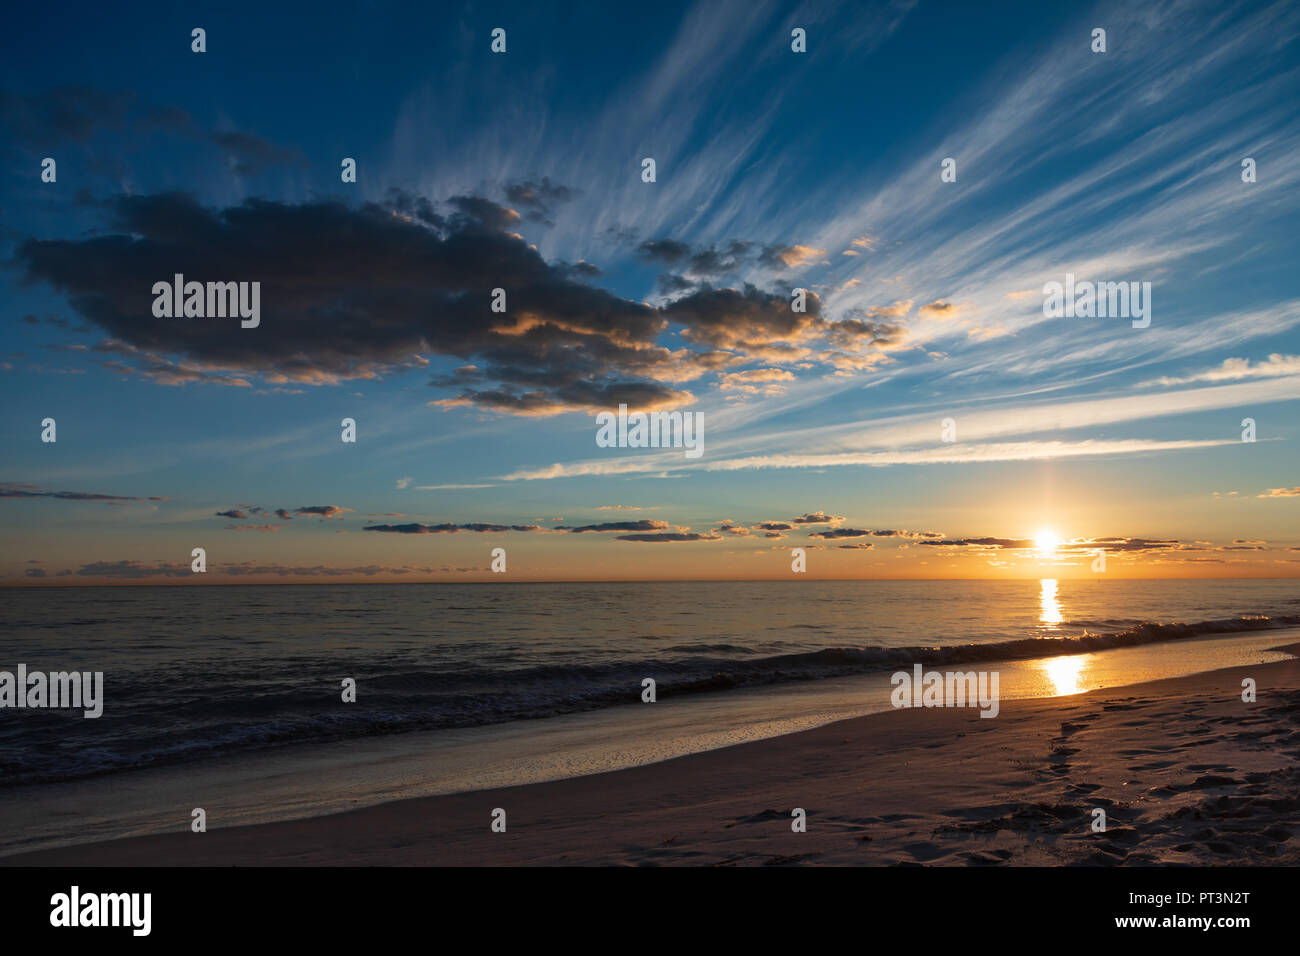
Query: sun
(1047,540)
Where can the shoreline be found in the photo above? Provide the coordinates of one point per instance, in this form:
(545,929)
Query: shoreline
(318,778)
(1186,772)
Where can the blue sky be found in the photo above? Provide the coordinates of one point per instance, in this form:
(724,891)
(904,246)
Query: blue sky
(775,170)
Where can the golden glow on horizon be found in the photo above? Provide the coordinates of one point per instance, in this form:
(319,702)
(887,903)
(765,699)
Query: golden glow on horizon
(1050,612)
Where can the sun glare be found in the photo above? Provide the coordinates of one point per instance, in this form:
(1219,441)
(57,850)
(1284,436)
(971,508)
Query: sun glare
(1047,540)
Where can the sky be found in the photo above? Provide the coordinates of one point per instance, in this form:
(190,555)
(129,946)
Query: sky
(921,170)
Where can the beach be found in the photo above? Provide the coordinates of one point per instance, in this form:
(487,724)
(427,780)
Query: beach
(1185,771)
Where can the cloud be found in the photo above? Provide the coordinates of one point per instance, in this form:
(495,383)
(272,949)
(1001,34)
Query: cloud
(792,257)
(249,154)
(1280,493)
(331,316)
(451,487)
(76,115)
(131,570)
(698,261)
(478,527)
(938,310)
(731,528)
(563,344)
(665,250)
(323,511)
(232,513)
(670,536)
(983,543)
(68,114)
(1077,545)
(134,569)
(539,198)
(839,533)
(645,524)
(757,381)
(1122,544)
(818,517)
(25,490)
(1235,369)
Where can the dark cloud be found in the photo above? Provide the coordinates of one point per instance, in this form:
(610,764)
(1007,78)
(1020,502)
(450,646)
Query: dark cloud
(664,250)
(133,569)
(23,490)
(323,511)
(1122,544)
(983,543)
(645,524)
(42,122)
(285,514)
(475,210)
(839,533)
(355,293)
(476,526)
(1083,545)
(731,528)
(671,285)
(358,292)
(701,261)
(136,570)
(743,318)
(670,536)
(815,517)
(52,320)
(538,199)
(75,115)
(249,154)
(582,269)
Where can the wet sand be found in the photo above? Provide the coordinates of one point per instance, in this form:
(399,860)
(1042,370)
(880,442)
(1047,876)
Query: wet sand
(1186,772)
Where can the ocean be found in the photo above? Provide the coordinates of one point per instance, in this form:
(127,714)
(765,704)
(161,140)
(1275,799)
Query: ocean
(192,673)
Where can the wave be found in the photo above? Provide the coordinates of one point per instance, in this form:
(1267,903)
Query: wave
(210,718)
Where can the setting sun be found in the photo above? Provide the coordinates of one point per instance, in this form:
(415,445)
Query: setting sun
(1047,540)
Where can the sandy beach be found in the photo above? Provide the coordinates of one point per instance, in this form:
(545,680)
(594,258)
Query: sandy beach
(1186,772)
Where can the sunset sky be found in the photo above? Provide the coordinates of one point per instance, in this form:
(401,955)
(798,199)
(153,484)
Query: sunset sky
(775,170)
